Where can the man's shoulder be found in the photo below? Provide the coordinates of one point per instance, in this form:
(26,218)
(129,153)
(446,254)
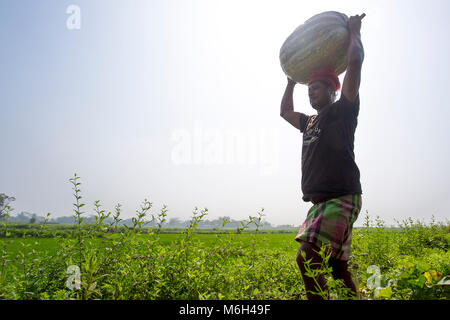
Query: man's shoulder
(344,101)
(343,106)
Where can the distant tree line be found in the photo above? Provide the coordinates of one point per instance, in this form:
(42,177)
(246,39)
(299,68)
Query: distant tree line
(27,217)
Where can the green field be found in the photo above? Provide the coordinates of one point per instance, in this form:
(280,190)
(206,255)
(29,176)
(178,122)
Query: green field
(116,262)
(276,241)
(413,261)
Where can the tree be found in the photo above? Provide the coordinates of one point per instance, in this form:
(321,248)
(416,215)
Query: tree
(33,218)
(4,204)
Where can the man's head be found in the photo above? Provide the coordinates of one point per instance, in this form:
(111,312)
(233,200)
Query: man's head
(322,87)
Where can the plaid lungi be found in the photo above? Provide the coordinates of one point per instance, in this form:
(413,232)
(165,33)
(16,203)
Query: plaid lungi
(330,224)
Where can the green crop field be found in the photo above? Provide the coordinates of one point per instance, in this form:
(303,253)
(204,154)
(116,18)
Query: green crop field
(109,261)
(49,246)
(139,263)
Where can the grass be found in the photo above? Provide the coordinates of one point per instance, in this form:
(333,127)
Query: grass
(104,261)
(49,246)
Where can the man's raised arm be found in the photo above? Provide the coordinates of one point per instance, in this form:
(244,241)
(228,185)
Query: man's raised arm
(287,106)
(355,55)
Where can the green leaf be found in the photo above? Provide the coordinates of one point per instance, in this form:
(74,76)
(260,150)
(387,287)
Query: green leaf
(383,293)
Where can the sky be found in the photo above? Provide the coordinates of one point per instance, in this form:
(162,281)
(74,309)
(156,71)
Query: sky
(177,102)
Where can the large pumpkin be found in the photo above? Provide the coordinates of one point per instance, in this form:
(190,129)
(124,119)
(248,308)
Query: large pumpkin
(321,41)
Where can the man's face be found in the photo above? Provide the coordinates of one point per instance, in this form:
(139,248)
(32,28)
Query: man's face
(319,94)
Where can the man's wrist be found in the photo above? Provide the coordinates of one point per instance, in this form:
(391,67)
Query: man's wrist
(291,83)
(355,34)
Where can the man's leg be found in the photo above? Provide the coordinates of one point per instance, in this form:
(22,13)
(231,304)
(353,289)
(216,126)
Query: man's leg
(340,271)
(311,250)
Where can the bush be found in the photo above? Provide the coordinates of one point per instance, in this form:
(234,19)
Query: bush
(103,261)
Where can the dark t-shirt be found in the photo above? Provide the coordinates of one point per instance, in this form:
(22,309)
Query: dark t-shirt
(328,160)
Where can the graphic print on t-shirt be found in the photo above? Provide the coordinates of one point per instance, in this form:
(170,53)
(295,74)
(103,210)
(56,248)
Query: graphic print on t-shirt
(312,132)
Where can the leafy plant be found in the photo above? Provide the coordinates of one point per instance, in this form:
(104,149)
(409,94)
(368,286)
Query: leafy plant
(140,262)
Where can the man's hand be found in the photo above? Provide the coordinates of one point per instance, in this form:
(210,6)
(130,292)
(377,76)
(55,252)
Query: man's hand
(354,24)
(291,82)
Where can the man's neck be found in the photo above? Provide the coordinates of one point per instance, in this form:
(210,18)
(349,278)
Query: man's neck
(321,109)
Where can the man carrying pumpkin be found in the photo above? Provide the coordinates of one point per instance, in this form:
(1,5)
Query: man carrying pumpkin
(330,176)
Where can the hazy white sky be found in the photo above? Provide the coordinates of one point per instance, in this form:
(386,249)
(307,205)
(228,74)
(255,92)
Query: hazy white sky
(178,102)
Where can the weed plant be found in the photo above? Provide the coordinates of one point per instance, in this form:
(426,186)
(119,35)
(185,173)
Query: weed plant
(107,261)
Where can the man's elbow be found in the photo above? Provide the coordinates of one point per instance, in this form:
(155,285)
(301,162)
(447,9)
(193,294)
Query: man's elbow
(285,115)
(284,111)
(356,60)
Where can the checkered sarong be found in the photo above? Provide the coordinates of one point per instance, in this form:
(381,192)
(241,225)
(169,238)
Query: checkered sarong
(330,224)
